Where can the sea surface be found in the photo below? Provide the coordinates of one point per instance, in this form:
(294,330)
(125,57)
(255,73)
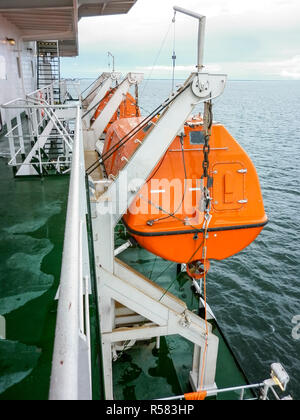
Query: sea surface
(256,294)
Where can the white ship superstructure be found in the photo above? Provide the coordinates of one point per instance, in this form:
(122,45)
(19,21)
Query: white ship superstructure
(23,23)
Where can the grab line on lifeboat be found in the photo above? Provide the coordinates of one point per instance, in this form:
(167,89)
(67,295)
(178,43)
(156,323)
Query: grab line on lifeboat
(195,230)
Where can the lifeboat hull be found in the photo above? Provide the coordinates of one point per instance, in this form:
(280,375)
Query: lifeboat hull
(167,217)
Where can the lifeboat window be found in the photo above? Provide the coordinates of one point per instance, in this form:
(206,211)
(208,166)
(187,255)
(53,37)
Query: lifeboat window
(197,137)
(147,127)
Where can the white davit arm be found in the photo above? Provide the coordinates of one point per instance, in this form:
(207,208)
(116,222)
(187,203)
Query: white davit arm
(96,94)
(93,90)
(106,115)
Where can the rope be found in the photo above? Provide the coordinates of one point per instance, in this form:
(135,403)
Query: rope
(150,275)
(150,222)
(157,57)
(205,306)
(169,214)
(125,139)
(94,81)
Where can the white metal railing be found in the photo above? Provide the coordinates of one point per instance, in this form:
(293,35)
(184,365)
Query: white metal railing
(71,368)
(214,392)
(45,93)
(35,116)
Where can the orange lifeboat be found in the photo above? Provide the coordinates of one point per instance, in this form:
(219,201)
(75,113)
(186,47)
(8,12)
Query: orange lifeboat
(128,108)
(167,217)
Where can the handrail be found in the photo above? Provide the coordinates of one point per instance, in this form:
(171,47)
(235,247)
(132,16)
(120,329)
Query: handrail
(263,387)
(67,356)
(44,163)
(216,391)
(40,89)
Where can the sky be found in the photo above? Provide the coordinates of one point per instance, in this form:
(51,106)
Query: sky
(246,39)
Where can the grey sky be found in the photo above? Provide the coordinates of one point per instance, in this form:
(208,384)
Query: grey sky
(247,39)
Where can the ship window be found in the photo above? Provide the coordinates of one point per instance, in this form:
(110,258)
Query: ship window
(197,137)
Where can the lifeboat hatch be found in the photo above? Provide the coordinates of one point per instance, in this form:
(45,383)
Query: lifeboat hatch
(229,186)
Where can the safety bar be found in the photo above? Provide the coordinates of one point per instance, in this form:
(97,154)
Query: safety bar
(22,106)
(213,392)
(279,378)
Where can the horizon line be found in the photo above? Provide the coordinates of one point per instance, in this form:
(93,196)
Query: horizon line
(169,79)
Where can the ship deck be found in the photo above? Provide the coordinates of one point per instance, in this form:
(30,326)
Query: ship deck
(32,223)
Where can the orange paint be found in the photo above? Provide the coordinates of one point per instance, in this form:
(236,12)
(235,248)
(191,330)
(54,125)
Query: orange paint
(196,396)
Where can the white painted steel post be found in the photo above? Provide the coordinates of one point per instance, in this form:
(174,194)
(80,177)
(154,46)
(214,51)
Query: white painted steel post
(20,134)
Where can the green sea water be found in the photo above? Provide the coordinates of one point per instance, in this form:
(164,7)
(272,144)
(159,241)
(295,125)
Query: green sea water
(32,219)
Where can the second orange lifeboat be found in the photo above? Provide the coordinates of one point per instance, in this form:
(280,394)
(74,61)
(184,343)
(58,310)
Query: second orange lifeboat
(128,108)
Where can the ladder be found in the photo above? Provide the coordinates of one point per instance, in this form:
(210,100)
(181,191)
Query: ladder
(48,66)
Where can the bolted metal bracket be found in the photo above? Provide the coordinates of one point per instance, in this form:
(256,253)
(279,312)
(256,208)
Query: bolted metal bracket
(135,78)
(208,86)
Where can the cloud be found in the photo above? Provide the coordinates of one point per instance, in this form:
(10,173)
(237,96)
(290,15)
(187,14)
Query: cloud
(244,38)
(287,69)
(291,68)
(181,69)
(252,70)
